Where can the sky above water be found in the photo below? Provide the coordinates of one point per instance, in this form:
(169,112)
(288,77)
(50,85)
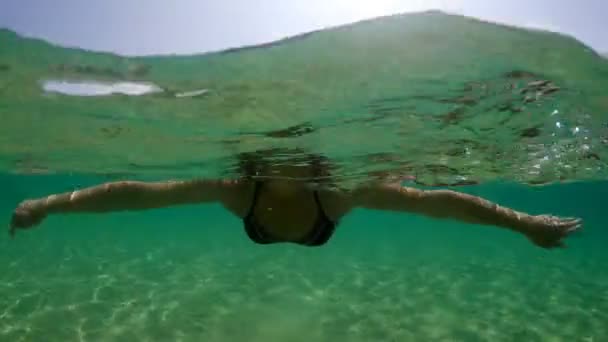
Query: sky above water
(143,27)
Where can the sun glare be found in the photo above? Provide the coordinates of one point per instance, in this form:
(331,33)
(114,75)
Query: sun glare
(357,10)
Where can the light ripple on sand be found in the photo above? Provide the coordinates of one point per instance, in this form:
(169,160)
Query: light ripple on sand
(195,291)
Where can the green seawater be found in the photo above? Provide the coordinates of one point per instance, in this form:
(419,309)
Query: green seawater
(442,97)
(191,274)
(445,99)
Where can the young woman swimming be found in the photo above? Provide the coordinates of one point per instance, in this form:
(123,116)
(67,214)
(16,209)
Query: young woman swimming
(288,203)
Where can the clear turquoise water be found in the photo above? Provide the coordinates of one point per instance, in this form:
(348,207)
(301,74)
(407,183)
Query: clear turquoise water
(443,98)
(190,274)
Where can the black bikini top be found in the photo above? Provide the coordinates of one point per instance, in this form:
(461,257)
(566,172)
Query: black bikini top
(321,232)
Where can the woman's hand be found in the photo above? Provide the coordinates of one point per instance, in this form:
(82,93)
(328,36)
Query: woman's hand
(27,215)
(548,231)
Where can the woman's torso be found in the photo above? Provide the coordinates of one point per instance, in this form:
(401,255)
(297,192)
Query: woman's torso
(332,205)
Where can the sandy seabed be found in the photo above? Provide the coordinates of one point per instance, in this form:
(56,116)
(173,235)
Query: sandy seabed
(113,285)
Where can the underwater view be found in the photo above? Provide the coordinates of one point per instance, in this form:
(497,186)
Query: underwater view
(426,100)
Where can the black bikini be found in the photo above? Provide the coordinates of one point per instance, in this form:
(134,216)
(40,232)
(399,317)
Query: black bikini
(322,230)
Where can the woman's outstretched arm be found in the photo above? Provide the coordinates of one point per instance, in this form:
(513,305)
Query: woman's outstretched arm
(121,196)
(543,230)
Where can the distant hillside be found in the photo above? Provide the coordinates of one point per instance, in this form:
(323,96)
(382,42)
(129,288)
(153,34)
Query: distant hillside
(397,46)
(394,48)
(416,41)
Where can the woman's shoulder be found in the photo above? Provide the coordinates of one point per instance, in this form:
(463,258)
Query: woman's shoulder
(336,202)
(237,195)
